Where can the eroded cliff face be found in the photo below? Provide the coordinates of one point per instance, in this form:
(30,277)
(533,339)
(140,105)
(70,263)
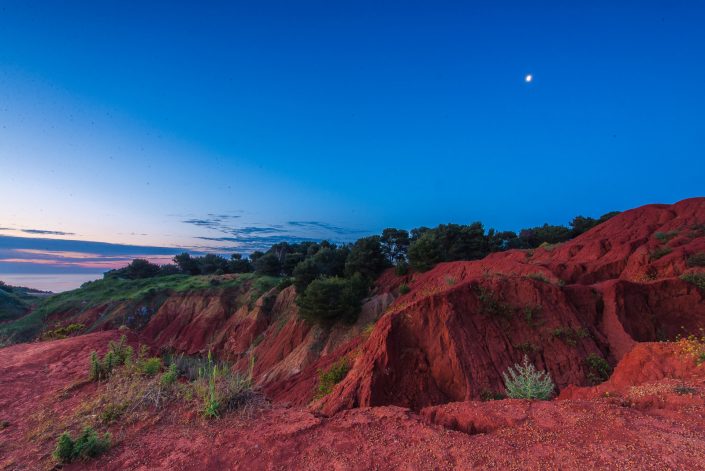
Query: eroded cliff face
(287,351)
(464,323)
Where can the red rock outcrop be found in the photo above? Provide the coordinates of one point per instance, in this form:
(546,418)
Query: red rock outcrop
(464,323)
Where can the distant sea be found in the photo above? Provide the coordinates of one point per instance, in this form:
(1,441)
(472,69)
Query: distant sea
(54,282)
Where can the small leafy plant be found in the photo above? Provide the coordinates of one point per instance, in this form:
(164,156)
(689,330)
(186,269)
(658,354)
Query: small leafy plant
(404,289)
(88,445)
(170,375)
(119,353)
(491,305)
(222,389)
(150,366)
(329,378)
(525,382)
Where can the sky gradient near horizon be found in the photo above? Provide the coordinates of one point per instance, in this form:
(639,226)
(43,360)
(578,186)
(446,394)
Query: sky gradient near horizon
(227,126)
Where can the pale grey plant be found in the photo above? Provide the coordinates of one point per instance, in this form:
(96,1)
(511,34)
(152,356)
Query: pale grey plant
(525,382)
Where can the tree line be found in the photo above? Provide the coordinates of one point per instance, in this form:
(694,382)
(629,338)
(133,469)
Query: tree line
(332,279)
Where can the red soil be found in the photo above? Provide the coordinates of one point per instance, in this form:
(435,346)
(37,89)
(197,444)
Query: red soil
(564,434)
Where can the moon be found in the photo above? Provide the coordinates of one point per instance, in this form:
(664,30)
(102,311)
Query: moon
(528,78)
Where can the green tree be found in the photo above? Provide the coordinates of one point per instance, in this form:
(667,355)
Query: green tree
(268,264)
(536,236)
(212,263)
(239,264)
(254,256)
(581,224)
(332,299)
(505,240)
(607,216)
(424,252)
(327,261)
(187,264)
(290,262)
(366,258)
(395,244)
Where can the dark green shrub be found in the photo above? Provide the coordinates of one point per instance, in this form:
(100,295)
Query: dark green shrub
(425,252)
(682,390)
(332,299)
(170,375)
(697,279)
(536,236)
(665,236)
(696,260)
(268,264)
(660,252)
(285,283)
(570,335)
(491,305)
(88,445)
(531,315)
(64,452)
(404,289)
(150,366)
(401,268)
(366,258)
(538,277)
(327,262)
(598,369)
(489,395)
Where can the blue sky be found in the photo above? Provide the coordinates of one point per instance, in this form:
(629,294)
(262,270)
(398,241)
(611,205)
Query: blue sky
(125,123)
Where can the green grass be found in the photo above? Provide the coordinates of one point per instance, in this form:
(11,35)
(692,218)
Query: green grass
(16,301)
(114,290)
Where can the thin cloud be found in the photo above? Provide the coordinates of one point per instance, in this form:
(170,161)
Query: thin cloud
(325,226)
(45,232)
(36,255)
(58,253)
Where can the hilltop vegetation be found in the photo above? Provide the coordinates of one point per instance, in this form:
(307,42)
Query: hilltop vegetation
(16,301)
(114,291)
